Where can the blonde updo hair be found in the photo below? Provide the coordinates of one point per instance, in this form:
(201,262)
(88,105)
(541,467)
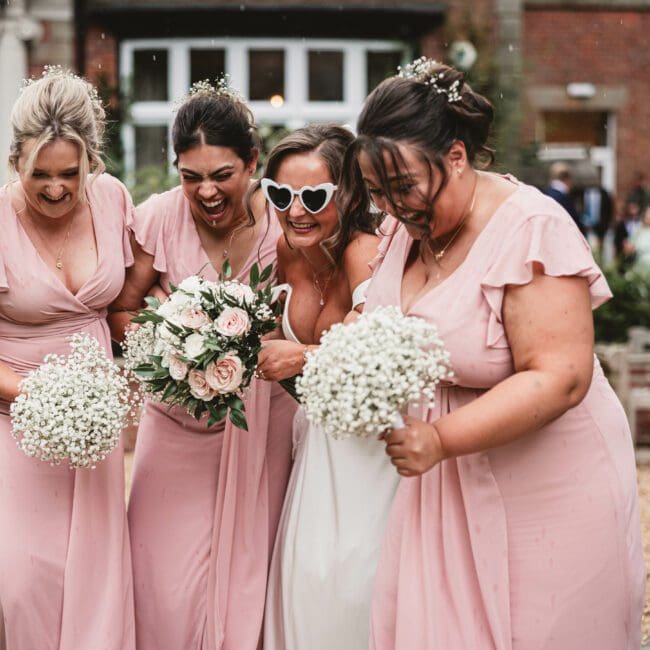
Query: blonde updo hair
(59,105)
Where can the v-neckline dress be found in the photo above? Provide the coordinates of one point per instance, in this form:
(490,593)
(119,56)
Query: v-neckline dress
(65,563)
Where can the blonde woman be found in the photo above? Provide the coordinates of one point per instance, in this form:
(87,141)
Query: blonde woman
(65,564)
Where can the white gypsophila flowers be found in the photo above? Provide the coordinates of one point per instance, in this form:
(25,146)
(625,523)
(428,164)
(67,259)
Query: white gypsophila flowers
(72,407)
(365,373)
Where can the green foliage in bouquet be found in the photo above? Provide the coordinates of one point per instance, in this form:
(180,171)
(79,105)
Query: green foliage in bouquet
(199,348)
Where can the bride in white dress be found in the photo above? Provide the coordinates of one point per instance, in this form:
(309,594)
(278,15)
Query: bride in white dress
(339,494)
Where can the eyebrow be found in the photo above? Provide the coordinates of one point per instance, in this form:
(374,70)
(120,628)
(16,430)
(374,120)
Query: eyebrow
(65,171)
(223,168)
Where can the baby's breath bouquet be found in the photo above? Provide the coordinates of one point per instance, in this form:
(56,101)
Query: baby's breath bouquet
(364,374)
(199,348)
(72,407)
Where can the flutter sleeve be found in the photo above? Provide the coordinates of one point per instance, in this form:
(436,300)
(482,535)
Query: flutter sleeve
(148,229)
(553,241)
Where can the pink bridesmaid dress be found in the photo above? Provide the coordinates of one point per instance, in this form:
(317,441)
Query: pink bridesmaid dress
(204,505)
(65,563)
(534,545)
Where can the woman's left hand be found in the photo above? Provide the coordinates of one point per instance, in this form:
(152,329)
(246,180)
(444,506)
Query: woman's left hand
(415,448)
(280,359)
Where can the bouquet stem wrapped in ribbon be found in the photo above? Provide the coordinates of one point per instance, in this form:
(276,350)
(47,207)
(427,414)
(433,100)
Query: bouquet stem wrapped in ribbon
(199,348)
(364,374)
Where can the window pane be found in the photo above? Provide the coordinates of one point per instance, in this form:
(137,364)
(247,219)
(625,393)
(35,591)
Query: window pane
(380,65)
(584,127)
(266,74)
(150,146)
(325,76)
(206,64)
(150,75)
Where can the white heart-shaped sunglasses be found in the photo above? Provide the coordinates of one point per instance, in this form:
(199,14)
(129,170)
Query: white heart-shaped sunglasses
(313,199)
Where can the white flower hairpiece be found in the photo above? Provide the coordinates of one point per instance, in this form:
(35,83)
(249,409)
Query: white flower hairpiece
(205,87)
(57,71)
(425,71)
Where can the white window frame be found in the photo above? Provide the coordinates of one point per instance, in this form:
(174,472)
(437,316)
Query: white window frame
(296,110)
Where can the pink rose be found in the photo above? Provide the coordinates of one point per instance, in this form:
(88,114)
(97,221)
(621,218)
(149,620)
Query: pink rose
(199,386)
(194,318)
(232,321)
(177,369)
(225,375)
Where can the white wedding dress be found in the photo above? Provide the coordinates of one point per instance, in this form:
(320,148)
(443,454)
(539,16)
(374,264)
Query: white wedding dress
(329,537)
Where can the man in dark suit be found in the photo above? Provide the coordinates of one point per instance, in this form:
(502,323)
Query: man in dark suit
(560,190)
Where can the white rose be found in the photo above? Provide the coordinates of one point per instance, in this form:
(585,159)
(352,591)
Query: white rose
(239,291)
(194,345)
(225,375)
(177,369)
(199,386)
(194,318)
(232,321)
(191,284)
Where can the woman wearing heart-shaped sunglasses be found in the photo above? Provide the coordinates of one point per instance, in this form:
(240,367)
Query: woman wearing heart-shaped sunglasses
(329,534)
(201,536)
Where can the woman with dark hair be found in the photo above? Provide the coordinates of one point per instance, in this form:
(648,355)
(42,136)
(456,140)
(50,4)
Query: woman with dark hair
(205,502)
(517,526)
(323,562)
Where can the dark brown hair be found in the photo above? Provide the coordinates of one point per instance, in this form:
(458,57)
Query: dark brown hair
(330,142)
(215,118)
(423,112)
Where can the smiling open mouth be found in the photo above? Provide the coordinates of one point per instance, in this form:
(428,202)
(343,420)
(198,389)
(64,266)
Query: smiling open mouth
(54,201)
(214,208)
(302,227)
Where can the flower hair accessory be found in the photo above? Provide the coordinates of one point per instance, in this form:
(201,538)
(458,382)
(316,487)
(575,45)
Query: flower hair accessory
(205,87)
(427,71)
(59,72)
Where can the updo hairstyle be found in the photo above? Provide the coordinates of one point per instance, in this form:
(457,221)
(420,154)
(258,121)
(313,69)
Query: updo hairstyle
(428,106)
(217,116)
(59,105)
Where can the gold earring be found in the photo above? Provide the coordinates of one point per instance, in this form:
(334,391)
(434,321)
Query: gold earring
(458,171)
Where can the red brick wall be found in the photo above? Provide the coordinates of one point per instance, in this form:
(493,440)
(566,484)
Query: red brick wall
(101,51)
(601,47)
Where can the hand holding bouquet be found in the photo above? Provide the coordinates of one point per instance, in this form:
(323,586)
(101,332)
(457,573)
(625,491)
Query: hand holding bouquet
(365,373)
(199,348)
(72,407)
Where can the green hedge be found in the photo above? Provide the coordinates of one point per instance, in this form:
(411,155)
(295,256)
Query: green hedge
(629,307)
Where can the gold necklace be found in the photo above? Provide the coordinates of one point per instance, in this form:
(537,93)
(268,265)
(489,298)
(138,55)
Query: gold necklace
(317,286)
(58,259)
(316,283)
(438,255)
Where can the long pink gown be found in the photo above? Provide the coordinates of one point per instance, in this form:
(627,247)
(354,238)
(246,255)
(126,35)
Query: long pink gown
(65,563)
(204,505)
(534,545)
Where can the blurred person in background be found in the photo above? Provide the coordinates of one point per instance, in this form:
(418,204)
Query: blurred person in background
(559,188)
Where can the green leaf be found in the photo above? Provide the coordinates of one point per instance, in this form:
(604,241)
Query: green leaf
(235,403)
(266,273)
(147,316)
(226,269)
(173,287)
(169,391)
(158,373)
(254,276)
(152,301)
(218,413)
(238,419)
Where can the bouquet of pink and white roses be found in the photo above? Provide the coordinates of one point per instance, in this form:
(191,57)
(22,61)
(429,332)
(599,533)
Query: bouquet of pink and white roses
(199,348)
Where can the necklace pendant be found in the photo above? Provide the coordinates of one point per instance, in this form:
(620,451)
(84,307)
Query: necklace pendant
(59,264)
(438,256)
(322,302)
(224,254)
